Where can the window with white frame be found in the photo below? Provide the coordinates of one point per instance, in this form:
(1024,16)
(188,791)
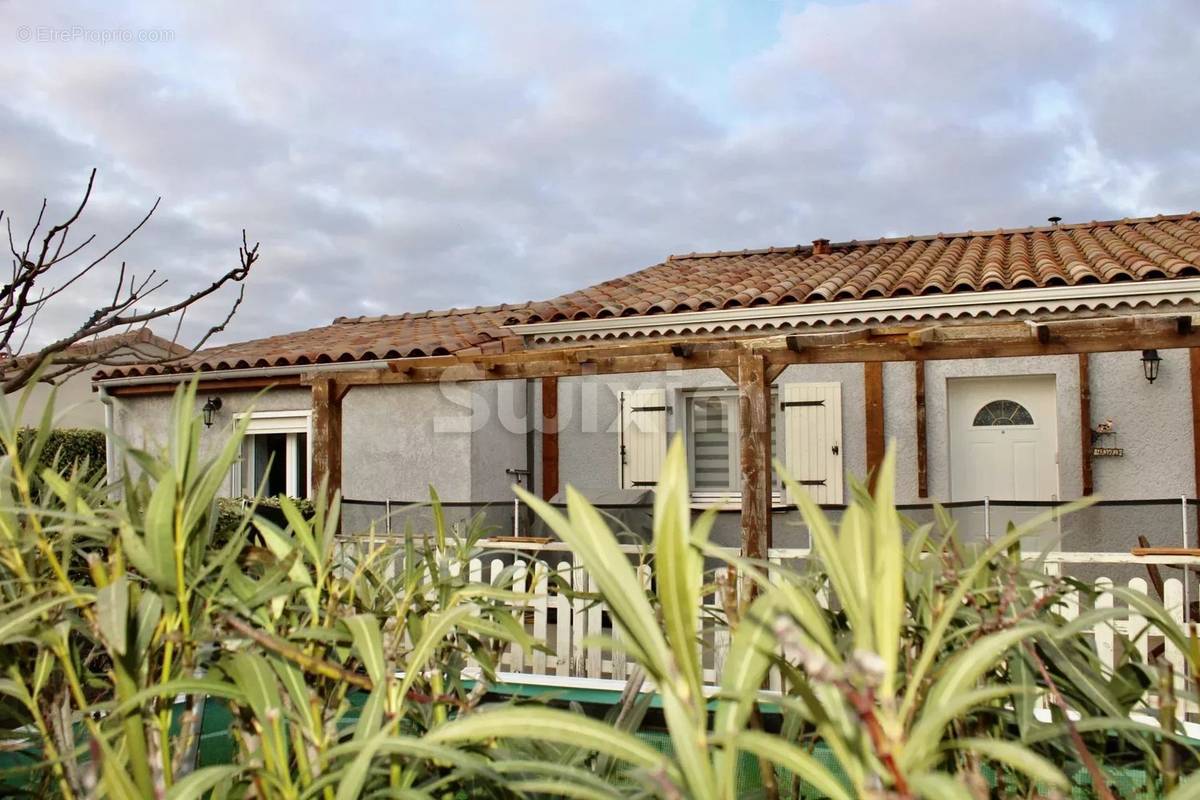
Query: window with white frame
(806,433)
(713,440)
(276,454)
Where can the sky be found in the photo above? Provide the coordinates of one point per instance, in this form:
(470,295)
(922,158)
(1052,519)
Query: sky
(397,157)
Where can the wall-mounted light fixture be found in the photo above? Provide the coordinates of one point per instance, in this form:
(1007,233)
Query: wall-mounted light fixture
(1150,362)
(211,406)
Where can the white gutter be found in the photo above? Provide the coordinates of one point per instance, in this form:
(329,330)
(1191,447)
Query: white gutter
(110,448)
(256,372)
(882,309)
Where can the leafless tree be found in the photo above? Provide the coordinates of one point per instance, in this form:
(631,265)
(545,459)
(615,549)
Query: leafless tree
(43,269)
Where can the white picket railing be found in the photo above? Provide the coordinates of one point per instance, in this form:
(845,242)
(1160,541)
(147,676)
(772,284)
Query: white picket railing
(571,627)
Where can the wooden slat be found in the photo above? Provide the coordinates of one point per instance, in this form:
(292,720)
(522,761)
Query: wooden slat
(873,393)
(327,436)
(754,421)
(922,436)
(1085,423)
(549,437)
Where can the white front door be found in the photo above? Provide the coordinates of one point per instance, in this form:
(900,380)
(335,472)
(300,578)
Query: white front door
(1003,438)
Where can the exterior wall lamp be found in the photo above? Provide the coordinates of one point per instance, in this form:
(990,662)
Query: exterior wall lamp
(211,406)
(1150,362)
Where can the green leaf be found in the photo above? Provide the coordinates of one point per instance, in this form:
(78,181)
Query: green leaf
(1016,756)
(159,524)
(594,545)
(352,780)
(368,642)
(926,734)
(938,786)
(802,765)
(745,667)
(196,784)
(550,725)
(1189,789)
(964,669)
(14,625)
(112,614)
(555,780)
(678,567)
(143,560)
(149,612)
(370,716)
(887,584)
(435,633)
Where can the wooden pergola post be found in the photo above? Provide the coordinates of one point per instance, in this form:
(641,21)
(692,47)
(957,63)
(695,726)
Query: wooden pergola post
(549,437)
(876,441)
(327,436)
(754,421)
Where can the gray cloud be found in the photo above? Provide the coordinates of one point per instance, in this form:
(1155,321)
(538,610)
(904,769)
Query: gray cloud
(397,159)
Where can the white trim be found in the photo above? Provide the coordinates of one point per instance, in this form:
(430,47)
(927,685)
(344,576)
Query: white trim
(876,310)
(277,421)
(289,423)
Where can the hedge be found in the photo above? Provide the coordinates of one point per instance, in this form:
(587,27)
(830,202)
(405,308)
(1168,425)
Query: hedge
(230,509)
(71,446)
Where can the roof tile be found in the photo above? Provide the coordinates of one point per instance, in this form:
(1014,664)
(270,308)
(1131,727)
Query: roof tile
(1096,252)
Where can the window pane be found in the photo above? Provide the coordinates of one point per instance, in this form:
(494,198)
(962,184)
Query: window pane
(711,443)
(270,453)
(301,465)
(1002,412)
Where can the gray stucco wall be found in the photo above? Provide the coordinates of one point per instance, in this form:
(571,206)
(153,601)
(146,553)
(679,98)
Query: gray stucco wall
(143,421)
(1065,370)
(1153,424)
(461,438)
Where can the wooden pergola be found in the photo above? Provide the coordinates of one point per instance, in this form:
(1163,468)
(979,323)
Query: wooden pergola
(753,362)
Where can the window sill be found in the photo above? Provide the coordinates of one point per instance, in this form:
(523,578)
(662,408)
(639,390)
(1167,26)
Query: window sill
(703,501)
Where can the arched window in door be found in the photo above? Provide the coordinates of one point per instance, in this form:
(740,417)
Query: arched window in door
(1002,412)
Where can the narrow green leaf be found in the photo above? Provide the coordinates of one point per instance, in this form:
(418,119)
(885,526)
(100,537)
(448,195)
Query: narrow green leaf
(112,614)
(1016,756)
(195,785)
(434,634)
(550,725)
(368,643)
(938,786)
(149,612)
(804,766)
(14,625)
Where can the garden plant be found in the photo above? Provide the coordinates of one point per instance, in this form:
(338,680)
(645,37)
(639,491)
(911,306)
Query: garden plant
(914,664)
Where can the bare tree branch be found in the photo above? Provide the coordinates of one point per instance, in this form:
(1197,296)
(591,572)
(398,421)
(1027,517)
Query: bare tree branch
(92,342)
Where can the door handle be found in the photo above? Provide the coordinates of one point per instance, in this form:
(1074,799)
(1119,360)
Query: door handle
(834,449)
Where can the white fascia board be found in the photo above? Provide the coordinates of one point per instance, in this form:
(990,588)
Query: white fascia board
(876,310)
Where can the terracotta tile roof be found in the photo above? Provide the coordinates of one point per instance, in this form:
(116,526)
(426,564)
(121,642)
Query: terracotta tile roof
(1097,252)
(1151,248)
(428,333)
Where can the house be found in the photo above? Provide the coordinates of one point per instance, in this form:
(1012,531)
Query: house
(989,358)
(76,404)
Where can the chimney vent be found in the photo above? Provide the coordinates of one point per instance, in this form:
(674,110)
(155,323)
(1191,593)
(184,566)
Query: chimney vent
(1054,221)
(821,247)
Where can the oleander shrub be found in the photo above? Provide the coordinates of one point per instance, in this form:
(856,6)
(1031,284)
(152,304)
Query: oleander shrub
(913,663)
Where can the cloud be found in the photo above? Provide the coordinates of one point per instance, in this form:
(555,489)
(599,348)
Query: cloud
(465,153)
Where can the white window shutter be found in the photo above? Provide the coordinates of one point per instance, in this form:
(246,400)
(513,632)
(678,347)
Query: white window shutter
(812,421)
(643,437)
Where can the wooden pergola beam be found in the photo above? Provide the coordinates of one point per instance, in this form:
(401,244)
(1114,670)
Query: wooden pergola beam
(972,340)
